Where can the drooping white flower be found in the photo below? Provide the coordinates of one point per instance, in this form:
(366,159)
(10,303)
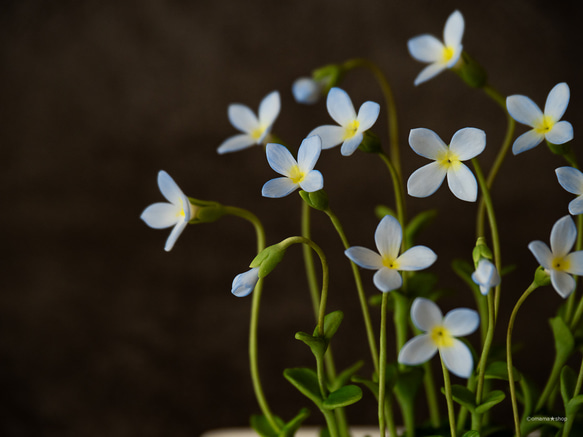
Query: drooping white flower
(306,90)
(486,276)
(387,262)
(557,261)
(545,125)
(255,128)
(439,55)
(352,126)
(296,174)
(465,144)
(244,283)
(177,213)
(571,180)
(440,335)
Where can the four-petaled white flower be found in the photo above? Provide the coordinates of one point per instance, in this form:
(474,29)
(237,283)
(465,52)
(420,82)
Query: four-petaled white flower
(296,174)
(440,335)
(545,125)
(465,144)
(177,213)
(557,261)
(486,276)
(307,90)
(352,126)
(571,180)
(244,283)
(427,48)
(387,262)
(255,129)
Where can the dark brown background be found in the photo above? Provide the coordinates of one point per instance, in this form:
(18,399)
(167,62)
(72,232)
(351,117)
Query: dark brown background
(102,333)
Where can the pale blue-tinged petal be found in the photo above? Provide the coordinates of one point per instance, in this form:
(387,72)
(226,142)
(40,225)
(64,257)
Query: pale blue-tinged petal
(542,253)
(236,143)
(429,72)
(425,48)
(524,110)
(244,283)
(340,106)
(331,135)
(174,234)
(467,143)
(242,118)
(364,257)
(367,115)
(351,144)
(458,359)
(388,236)
(279,158)
(571,179)
(309,153)
(527,141)
(418,350)
(278,187)
(426,143)
(560,133)
(454,29)
(387,279)
(161,215)
(462,183)
(416,258)
(574,262)
(169,188)
(557,101)
(426,180)
(563,236)
(306,90)
(486,276)
(576,206)
(461,322)
(269,109)
(563,283)
(425,314)
(313,181)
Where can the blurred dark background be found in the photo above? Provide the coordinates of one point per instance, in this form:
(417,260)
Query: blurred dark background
(102,333)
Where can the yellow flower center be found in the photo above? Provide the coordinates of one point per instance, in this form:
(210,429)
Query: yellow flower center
(560,263)
(390,263)
(545,125)
(447,54)
(441,337)
(296,175)
(448,159)
(256,133)
(350,129)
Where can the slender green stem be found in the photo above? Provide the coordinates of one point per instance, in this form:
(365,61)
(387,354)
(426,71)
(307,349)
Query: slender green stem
(569,317)
(398,190)
(570,420)
(383,364)
(449,399)
(432,401)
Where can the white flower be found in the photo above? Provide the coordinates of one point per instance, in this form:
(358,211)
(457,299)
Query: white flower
(306,90)
(465,144)
(440,56)
(177,213)
(557,261)
(352,126)
(244,283)
(296,174)
(387,262)
(544,125)
(255,129)
(571,180)
(486,276)
(440,335)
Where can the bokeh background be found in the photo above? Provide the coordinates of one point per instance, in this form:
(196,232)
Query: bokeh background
(102,333)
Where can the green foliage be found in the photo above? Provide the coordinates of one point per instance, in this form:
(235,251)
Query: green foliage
(383,210)
(293,425)
(499,370)
(408,383)
(564,341)
(262,426)
(344,396)
(568,383)
(343,377)
(492,398)
(463,396)
(268,259)
(371,143)
(419,223)
(317,345)
(471,434)
(316,199)
(472,73)
(306,381)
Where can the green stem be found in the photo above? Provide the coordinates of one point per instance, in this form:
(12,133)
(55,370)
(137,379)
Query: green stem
(432,401)
(449,399)
(383,364)
(398,190)
(570,420)
(569,317)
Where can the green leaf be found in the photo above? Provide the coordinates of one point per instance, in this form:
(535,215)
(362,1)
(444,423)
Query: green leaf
(408,384)
(371,385)
(382,210)
(331,324)
(499,370)
(293,425)
(418,223)
(471,434)
(306,381)
(262,426)
(564,341)
(318,345)
(344,376)
(344,396)
(573,406)
(568,383)
(421,284)
(463,396)
(492,398)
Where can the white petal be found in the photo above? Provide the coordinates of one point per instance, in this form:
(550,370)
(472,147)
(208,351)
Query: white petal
(486,276)
(458,359)
(278,187)
(388,236)
(242,118)
(527,141)
(330,135)
(269,109)
(575,261)
(524,110)
(542,253)
(571,179)
(429,72)
(309,153)
(279,158)
(340,106)
(462,183)
(461,322)
(468,143)
(426,143)
(306,90)
(563,283)
(387,279)
(563,236)
(454,29)
(425,48)
(169,188)
(174,234)
(351,144)
(244,283)
(426,180)
(425,314)
(557,101)
(364,257)
(367,115)
(576,206)
(560,133)
(417,350)
(236,143)
(313,181)
(416,258)
(161,215)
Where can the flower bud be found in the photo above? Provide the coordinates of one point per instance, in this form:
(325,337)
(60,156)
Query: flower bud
(329,76)
(205,211)
(268,259)
(542,277)
(306,90)
(470,71)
